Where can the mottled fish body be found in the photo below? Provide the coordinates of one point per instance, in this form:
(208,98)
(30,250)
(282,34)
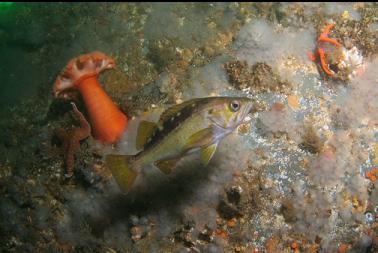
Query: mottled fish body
(197,124)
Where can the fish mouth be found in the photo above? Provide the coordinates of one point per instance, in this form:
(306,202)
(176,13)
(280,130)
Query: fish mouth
(247,114)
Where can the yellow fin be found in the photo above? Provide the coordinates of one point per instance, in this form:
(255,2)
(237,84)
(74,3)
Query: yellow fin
(145,131)
(201,138)
(207,153)
(123,174)
(166,166)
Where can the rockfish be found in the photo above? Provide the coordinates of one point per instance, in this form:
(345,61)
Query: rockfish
(197,124)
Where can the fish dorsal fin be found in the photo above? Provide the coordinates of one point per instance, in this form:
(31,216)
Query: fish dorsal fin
(176,110)
(207,153)
(145,131)
(166,166)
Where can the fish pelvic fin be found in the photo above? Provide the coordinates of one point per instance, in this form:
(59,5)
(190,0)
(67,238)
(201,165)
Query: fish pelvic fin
(122,171)
(207,153)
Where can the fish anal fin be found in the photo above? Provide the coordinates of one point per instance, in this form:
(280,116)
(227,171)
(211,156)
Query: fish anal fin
(121,170)
(167,166)
(207,153)
(145,131)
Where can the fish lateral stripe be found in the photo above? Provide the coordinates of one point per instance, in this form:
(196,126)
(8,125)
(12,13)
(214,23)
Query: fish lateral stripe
(168,124)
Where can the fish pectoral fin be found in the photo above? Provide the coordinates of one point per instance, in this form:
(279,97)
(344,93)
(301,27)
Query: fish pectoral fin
(145,131)
(121,170)
(207,153)
(167,166)
(201,138)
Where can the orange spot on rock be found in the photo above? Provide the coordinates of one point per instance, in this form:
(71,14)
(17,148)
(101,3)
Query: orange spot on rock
(328,153)
(231,223)
(294,245)
(293,102)
(372,174)
(237,248)
(237,173)
(277,107)
(251,249)
(221,233)
(271,245)
(343,248)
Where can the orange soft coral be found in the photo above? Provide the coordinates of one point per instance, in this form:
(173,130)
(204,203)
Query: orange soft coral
(71,139)
(81,73)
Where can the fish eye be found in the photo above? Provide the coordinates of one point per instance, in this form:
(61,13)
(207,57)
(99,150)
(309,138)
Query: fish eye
(369,217)
(376,209)
(234,106)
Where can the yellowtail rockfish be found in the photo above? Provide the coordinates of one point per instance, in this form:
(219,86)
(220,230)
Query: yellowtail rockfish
(197,124)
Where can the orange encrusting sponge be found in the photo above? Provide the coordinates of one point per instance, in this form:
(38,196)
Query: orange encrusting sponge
(108,121)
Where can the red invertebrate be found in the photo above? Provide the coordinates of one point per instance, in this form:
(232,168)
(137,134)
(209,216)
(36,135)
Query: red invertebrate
(323,38)
(71,139)
(372,175)
(81,73)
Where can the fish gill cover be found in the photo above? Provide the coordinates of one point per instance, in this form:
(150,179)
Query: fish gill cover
(301,177)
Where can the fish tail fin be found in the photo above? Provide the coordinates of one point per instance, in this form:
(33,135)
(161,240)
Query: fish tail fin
(121,170)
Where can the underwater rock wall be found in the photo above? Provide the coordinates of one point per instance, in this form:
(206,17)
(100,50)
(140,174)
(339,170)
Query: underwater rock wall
(299,178)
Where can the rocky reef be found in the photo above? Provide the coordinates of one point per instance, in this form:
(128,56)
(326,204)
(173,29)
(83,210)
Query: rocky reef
(301,177)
